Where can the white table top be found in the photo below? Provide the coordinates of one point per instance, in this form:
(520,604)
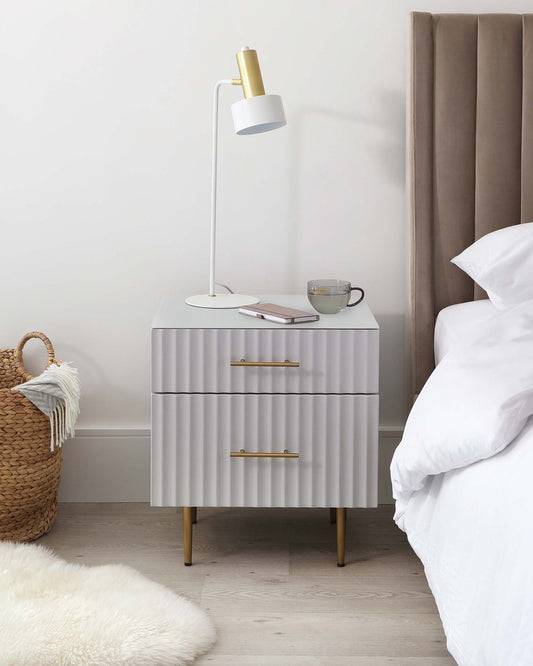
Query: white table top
(173,312)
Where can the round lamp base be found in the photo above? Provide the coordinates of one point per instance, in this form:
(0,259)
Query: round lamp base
(221,301)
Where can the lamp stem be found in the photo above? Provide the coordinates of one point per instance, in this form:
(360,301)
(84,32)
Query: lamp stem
(214,168)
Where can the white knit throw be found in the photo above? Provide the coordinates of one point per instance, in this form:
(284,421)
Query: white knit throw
(56,392)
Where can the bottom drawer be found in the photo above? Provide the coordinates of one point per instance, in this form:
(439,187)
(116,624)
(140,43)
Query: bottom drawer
(335,437)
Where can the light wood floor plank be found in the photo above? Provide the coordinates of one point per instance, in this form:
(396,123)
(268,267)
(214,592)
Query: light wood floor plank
(317,594)
(327,634)
(277,660)
(293,660)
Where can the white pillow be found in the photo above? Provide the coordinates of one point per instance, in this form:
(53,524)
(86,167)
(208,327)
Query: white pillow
(502,263)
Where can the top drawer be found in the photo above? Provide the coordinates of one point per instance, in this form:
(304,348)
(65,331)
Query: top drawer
(199,360)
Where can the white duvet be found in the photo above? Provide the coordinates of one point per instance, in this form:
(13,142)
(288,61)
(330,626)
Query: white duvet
(462,480)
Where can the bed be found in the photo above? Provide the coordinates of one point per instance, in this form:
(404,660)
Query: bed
(462,473)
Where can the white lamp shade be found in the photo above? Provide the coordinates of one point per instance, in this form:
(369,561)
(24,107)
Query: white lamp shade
(258,114)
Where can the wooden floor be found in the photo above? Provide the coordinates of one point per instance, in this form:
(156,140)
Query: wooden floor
(268,579)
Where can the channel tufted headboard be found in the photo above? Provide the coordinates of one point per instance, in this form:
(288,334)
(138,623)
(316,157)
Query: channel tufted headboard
(470,155)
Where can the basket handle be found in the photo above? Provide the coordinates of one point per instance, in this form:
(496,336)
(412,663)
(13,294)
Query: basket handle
(49,349)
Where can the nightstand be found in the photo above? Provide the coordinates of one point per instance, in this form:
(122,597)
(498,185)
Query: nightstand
(250,413)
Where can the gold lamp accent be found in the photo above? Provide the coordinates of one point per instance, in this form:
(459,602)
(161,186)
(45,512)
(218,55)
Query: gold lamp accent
(251,79)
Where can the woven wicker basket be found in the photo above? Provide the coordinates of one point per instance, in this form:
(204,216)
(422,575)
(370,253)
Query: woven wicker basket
(29,471)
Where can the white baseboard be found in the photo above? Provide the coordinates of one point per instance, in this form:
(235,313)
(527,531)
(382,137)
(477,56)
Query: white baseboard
(110,465)
(106,466)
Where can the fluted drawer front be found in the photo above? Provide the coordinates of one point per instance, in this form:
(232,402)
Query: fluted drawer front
(335,436)
(199,361)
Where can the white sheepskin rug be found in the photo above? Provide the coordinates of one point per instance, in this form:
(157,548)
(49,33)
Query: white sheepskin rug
(53,612)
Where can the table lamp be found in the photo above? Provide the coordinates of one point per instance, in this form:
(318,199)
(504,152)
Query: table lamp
(254,114)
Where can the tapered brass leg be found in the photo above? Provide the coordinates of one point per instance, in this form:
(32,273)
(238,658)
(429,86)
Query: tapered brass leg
(333,516)
(194,518)
(187,535)
(341,536)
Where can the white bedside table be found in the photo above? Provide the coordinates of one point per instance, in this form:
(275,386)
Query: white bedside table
(247,412)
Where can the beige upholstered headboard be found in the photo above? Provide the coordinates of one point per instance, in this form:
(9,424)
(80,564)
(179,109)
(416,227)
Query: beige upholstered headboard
(470,155)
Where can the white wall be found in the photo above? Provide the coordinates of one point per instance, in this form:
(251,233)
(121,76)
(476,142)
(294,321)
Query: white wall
(105,123)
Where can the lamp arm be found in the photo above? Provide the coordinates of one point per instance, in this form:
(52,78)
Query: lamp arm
(214,172)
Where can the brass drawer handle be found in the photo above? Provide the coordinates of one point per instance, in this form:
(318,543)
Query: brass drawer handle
(266,364)
(243,454)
